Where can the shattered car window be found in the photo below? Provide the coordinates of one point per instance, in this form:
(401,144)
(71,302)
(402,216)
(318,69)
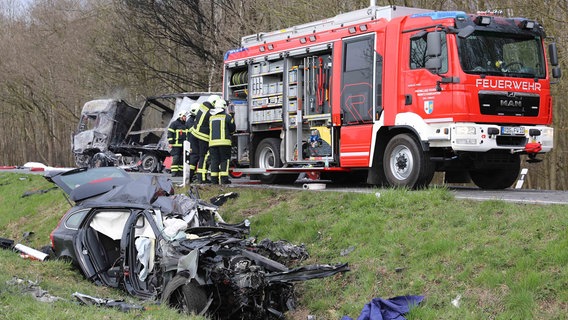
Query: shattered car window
(92,176)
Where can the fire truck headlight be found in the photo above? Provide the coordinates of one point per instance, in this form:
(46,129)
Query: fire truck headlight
(463,131)
(547,132)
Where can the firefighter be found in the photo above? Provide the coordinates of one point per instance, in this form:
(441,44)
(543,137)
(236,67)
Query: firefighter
(222,126)
(201,131)
(176,135)
(193,141)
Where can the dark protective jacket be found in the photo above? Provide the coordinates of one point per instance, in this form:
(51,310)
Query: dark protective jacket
(189,125)
(201,126)
(177,133)
(222,126)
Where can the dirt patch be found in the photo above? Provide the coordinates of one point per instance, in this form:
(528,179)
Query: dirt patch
(298,314)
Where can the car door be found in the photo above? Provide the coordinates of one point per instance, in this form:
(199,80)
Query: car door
(140,246)
(98,244)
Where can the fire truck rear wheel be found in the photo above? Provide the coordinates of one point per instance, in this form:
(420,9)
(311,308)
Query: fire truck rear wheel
(268,156)
(497,178)
(406,165)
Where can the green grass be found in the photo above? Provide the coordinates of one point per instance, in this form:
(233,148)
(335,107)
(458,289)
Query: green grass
(506,261)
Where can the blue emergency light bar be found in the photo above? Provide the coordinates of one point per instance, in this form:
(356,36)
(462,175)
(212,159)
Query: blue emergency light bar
(441,15)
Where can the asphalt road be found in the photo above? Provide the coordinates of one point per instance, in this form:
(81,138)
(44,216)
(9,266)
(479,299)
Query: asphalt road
(510,195)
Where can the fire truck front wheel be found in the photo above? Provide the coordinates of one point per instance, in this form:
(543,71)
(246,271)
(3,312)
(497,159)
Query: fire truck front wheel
(406,165)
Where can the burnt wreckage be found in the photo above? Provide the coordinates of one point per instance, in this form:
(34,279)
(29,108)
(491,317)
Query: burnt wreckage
(138,235)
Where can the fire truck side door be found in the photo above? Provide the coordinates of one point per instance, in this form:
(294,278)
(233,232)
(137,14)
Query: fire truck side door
(356,100)
(357,80)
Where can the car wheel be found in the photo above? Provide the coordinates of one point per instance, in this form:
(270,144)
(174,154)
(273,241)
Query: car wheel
(185,295)
(100,160)
(149,163)
(82,160)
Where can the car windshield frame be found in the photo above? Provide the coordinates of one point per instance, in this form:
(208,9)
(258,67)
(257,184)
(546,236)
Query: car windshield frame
(502,54)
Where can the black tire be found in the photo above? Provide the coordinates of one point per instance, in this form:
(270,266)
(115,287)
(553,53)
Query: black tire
(405,164)
(100,160)
(149,163)
(184,295)
(82,160)
(267,155)
(497,178)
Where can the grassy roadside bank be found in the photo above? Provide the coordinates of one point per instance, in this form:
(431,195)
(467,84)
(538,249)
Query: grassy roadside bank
(505,261)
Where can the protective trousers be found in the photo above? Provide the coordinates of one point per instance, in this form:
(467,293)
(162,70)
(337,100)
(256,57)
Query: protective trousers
(177,161)
(193,156)
(203,148)
(220,157)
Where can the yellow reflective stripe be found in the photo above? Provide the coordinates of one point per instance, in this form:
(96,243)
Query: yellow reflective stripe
(220,142)
(201,135)
(214,174)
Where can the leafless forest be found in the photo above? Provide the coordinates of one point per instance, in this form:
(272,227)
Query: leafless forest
(57,54)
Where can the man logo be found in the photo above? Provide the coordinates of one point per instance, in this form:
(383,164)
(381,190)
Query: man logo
(510,103)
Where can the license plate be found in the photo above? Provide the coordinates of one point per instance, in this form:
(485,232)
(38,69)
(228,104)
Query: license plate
(513,131)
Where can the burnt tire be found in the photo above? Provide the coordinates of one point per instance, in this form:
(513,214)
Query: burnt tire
(405,164)
(497,178)
(100,160)
(82,160)
(149,163)
(267,155)
(184,295)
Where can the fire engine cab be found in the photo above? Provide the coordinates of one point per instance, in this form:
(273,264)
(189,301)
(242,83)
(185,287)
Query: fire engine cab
(391,95)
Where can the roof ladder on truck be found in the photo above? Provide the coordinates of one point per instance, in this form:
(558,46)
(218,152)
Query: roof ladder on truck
(340,20)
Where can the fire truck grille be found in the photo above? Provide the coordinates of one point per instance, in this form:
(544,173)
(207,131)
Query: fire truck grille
(509,103)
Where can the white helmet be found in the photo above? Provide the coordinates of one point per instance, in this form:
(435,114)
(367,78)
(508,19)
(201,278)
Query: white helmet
(220,103)
(194,108)
(213,98)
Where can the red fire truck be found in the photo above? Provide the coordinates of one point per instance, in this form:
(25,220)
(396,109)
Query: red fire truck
(391,95)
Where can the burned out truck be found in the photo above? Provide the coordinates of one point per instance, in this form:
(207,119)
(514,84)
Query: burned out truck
(111,132)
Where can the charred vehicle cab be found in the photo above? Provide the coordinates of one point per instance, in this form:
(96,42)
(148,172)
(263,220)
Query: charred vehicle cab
(136,234)
(111,132)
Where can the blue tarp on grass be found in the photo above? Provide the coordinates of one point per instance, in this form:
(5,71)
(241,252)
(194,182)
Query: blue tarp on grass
(388,309)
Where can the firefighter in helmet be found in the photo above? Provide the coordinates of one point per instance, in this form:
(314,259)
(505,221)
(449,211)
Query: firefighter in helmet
(193,141)
(176,135)
(222,126)
(201,131)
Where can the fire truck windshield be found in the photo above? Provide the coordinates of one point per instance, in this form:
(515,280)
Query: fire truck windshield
(501,54)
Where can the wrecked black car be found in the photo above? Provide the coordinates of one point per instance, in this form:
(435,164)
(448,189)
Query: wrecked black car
(136,234)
